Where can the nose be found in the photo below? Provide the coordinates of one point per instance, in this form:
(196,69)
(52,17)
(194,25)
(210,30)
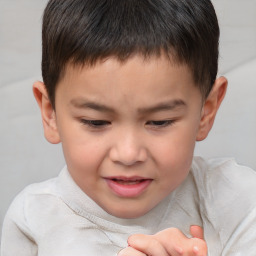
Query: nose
(128,149)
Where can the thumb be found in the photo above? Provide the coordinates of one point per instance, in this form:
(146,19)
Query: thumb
(197,232)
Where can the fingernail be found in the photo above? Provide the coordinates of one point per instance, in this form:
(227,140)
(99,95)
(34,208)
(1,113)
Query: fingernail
(196,249)
(179,250)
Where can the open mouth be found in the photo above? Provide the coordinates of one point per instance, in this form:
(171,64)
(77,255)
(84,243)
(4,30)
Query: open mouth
(128,187)
(128,182)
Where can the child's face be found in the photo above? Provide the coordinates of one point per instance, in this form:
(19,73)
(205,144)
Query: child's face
(128,130)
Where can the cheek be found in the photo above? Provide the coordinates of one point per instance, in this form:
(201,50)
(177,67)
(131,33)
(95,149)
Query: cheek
(177,149)
(84,164)
(175,169)
(82,153)
(174,156)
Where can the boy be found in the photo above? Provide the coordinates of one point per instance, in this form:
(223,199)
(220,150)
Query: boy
(129,87)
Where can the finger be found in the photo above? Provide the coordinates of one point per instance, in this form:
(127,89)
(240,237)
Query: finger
(199,246)
(177,243)
(173,240)
(129,251)
(197,232)
(147,244)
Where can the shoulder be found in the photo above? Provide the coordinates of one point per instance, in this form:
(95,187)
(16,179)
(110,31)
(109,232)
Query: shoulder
(227,195)
(223,178)
(33,191)
(30,202)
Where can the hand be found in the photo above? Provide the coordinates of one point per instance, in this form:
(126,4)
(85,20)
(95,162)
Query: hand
(169,242)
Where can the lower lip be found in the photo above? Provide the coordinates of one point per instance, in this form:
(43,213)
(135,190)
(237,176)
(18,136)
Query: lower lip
(130,190)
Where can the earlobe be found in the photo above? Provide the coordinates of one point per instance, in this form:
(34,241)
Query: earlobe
(211,106)
(47,113)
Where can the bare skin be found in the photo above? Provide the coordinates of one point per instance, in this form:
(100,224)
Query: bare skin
(168,242)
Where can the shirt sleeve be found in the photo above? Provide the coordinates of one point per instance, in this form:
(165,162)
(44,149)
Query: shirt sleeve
(243,240)
(227,194)
(16,236)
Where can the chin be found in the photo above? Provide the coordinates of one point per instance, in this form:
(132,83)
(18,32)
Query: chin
(127,212)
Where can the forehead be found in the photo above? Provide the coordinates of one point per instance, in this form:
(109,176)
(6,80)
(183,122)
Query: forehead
(137,77)
(136,64)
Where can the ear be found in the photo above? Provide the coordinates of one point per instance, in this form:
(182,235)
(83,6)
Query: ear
(47,112)
(211,106)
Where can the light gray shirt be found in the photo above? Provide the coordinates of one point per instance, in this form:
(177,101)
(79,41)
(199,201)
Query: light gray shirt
(56,218)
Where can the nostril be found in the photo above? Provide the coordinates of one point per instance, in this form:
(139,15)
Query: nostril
(128,156)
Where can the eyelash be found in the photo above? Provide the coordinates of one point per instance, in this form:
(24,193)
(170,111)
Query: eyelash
(96,124)
(160,123)
(99,124)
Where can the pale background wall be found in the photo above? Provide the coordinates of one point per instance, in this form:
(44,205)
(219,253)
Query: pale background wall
(26,157)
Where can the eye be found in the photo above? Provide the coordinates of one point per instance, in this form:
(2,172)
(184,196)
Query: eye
(97,124)
(160,123)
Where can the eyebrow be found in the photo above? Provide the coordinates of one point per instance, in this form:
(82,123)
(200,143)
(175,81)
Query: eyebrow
(163,106)
(83,103)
